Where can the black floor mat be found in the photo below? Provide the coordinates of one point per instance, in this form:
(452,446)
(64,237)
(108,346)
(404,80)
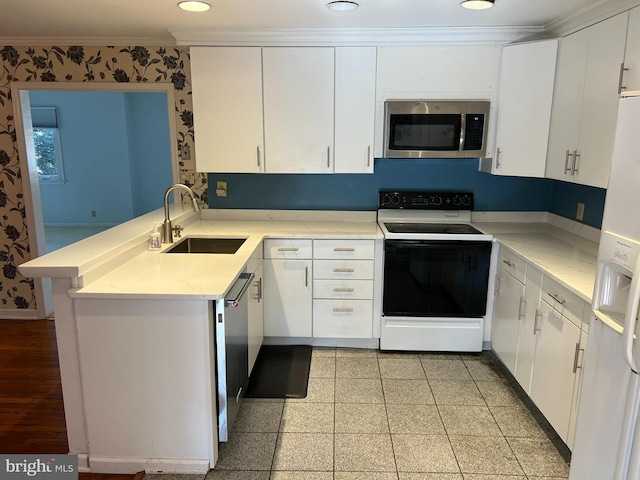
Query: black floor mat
(281,371)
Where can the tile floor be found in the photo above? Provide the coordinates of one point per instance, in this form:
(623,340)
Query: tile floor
(372,415)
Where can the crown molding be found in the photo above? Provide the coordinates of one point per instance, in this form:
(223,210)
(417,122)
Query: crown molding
(86,41)
(358,37)
(588,15)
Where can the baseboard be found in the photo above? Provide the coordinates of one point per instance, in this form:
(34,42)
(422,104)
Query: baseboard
(370,343)
(19,314)
(128,465)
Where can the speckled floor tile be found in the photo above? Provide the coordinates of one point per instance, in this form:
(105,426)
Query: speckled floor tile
(424,453)
(247,451)
(364,453)
(282,475)
(400,355)
(488,455)
(237,475)
(517,422)
(429,476)
(357,367)
(437,369)
(307,418)
(356,352)
(361,418)
(319,390)
(359,390)
(468,420)
(456,392)
(407,391)
(365,476)
(538,457)
(401,368)
(499,394)
(323,367)
(483,370)
(304,452)
(414,419)
(173,476)
(474,476)
(258,416)
(323,352)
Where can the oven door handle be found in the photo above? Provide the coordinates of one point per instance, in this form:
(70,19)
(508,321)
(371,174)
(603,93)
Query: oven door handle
(439,244)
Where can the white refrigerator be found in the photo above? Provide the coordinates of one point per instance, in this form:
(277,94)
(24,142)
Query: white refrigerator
(607,441)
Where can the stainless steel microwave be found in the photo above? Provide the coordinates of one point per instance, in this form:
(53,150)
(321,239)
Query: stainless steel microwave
(435,128)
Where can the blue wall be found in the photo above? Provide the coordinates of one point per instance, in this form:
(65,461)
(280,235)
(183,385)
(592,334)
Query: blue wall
(360,191)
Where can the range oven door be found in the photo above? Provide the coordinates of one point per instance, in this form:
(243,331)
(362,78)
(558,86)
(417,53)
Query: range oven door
(427,278)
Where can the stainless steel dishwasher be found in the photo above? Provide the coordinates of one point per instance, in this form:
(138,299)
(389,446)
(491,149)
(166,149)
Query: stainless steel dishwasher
(232,352)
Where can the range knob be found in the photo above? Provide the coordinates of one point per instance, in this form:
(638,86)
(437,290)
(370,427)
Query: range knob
(385,200)
(457,200)
(435,200)
(466,200)
(395,199)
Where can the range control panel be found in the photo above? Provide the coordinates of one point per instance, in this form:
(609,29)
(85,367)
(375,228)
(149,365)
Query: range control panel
(426,200)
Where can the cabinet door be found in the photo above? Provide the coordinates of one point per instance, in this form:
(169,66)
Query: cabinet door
(227,99)
(631,79)
(355,109)
(298,109)
(567,104)
(256,317)
(506,321)
(524,108)
(287,298)
(527,335)
(600,102)
(553,377)
(577,388)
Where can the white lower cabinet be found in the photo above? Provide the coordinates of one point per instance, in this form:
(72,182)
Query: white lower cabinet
(287,288)
(528,325)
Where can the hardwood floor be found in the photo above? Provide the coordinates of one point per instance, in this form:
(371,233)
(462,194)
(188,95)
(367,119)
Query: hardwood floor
(31,408)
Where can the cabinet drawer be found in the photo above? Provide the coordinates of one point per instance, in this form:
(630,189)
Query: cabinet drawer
(343,269)
(343,249)
(563,300)
(294,248)
(343,318)
(343,289)
(512,263)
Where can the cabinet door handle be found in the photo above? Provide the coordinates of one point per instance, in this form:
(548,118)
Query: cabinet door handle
(288,249)
(522,308)
(258,155)
(306,276)
(343,270)
(347,290)
(575,357)
(343,310)
(259,290)
(620,78)
(369,156)
(498,158)
(557,298)
(567,167)
(344,249)
(536,329)
(574,167)
(328,157)
(509,263)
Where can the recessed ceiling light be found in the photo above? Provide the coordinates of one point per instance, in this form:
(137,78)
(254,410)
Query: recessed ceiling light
(342,5)
(193,6)
(477,4)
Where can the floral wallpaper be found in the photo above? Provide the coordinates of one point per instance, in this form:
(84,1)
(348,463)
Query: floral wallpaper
(76,64)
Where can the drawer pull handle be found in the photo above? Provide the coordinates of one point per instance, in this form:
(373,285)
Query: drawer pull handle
(557,298)
(508,263)
(343,310)
(343,290)
(522,309)
(339,249)
(575,357)
(343,270)
(288,249)
(536,328)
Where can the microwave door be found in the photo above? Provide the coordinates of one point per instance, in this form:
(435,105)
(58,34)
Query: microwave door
(423,135)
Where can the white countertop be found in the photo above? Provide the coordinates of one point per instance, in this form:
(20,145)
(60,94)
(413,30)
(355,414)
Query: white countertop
(566,257)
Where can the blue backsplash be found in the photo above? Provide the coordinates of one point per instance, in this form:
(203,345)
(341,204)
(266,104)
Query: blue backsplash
(360,191)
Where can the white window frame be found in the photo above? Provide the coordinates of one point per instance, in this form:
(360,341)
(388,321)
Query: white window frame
(59,178)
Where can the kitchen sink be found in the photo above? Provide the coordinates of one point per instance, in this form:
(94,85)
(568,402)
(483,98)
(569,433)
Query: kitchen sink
(207,245)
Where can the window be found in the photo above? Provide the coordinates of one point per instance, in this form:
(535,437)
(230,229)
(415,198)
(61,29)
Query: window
(46,139)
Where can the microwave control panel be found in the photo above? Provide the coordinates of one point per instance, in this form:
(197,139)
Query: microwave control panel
(426,200)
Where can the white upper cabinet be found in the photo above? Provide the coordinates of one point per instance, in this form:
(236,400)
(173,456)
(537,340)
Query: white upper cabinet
(631,78)
(298,109)
(586,102)
(524,108)
(227,98)
(355,97)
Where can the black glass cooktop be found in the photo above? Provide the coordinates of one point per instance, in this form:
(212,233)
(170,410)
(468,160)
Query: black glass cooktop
(448,228)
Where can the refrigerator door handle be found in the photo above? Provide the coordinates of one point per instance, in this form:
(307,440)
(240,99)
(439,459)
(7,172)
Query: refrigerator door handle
(630,316)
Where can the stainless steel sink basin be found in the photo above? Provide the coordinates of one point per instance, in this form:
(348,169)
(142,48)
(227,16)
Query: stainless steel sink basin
(207,245)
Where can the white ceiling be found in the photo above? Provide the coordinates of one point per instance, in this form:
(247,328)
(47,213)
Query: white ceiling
(95,21)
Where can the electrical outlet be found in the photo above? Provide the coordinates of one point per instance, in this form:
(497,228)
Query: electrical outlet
(221,189)
(580,212)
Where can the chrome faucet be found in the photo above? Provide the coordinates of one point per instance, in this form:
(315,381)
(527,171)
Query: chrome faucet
(167,228)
